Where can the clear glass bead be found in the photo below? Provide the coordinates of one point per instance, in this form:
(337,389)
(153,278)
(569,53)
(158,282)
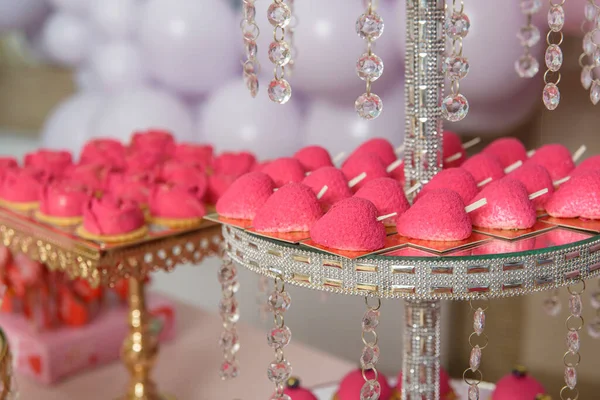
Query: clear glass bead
(370,320)
(279,91)
(228,309)
(527,66)
(368,106)
(369,356)
(551,96)
(279,371)
(228,370)
(456,67)
(593,328)
(227,273)
(479,321)
(252,84)
(251,49)
(595,92)
(369,67)
(229,342)
(586,82)
(249,11)
(474,392)
(588,44)
(575,305)
(552,306)
(279,302)
(457,25)
(475,358)
(279,14)
(556,18)
(571,377)
(370,26)
(371,390)
(280,53)
(279,337)
(231,289)
(573,342)
(595,297)
(529,35)
(531,6)
(455,108)
(554,57)
(590,11)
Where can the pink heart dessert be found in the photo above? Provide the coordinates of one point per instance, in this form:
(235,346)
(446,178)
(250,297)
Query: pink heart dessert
(234,164)
(313,157)
(387,195)
(199,155)
(591,163)
(185,175)
(351,224)
(534,177)
(153,141)
(439,215)
(285,170)
(245,196)
(508,206)
(111,217)
(378,146)
(483,166)
(452,146)
(352,383)
(217,185)
(446,392)
(109,152)
(292,208)
(507,150)
(456,179)
(368,163)
(63,202)
(398,173)
(334,179)
(297,392)
(556,158)
(578,197)
(176,206)
(518,385)
(53,162)
(21,188)
(131,187)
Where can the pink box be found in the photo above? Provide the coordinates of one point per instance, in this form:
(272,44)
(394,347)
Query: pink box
(51,356)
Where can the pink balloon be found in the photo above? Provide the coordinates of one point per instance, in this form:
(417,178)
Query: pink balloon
(66,38)
(118,66)
(191,46)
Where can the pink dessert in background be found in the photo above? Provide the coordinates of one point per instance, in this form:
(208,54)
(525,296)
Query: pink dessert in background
(508,150)
(456,179)
(591,163)
(398,173)
(245,196)
(337,185)
(104,151)
(64,199)
(535,177)
(483,166)
(313,157)
(578,197)
(185,175)
(154,141)
(292,208)
(52,162)
(452,146)
(217,185)
(107,216)
(8,163)
(234,164)
(382,148)
(94,176)
(352,383)
(351,224)
(508,206)
(144,162)
(297,392)
(21,185)
(199,155)
(439,215)
(285,170)
(368,163)
(176,202)
(556,158)
(518,385)
(446,392)
(133,187)
(387,195)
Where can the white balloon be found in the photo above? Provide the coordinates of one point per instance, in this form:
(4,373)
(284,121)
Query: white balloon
(142,109)
(114,18)
(232,120)
(21,14)
(86,80)
(191,46)
(117,66)
(69,124)
(66,38)
(339,129)
(74,6)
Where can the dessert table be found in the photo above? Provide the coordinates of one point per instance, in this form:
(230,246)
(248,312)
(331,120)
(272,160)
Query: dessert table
(189,366)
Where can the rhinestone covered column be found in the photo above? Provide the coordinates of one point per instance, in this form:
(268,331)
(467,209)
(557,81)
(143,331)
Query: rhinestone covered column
(421,363)
(424,83)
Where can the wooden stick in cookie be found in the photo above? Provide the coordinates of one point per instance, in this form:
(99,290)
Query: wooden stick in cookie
(559,182)
(474,206)
(322,192)
(339,157)
(512,167)
(471,143)
(465,146)
(384,217)
(484,182)
(579,152)
(538,193)
(394,165)
(356,180)
(413,189)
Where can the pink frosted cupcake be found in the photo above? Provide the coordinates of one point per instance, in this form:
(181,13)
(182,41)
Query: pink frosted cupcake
(109,219)
(20,189)
(53,162)
(176,207)
(62,203)
(518,385)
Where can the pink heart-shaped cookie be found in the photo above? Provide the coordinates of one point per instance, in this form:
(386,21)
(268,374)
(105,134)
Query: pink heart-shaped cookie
(245,196)
(387,195)
(578,197)
(455,179)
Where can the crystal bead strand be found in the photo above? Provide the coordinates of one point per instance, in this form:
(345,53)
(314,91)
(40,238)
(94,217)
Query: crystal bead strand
(291,31)
(279,15)
(552,305)
(593,327)
(591,51)
(250,33)
(572,357)
(455,106)
(228,309)
(554,54)
(476,349)
(529,35)
(370,354)
(279,337)
(369,66)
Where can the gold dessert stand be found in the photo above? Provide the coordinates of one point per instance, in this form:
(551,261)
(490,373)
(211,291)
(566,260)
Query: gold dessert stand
(107,263)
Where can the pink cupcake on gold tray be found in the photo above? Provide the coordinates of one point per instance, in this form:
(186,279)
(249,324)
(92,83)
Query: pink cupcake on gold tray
(177,206)
(109,219)
(20,189)
(62,203)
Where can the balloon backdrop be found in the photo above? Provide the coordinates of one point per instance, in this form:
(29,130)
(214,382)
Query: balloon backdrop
(21,14)
(73,6)
(117,66)
(67,38)
(114,18)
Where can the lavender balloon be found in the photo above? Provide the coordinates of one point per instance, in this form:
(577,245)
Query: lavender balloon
(73,6)
(21,14)
(66,38)
(191,46)
(115,18)
(117,66)
(232,120)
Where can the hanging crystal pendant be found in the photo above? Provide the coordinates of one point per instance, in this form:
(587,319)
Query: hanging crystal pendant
(531,6)
(473,393)
(593,328)
(552,306)
(595,92)
(458,25)
(368,106)
(279,14)
(369,67)
(573,342)
(551,96)
(371,390)
(370,26)
(586,77)
(590,11)
(279,91)
(556,18)
(588,44)
(455,108)
(370,356)
(475,358)
(279,53)
(529,35)
(479,321)
(554,57)
(527,66)
(456,67)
